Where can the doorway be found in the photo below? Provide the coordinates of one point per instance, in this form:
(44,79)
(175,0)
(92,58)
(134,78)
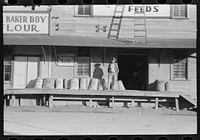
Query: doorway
(25,71)
(133,71)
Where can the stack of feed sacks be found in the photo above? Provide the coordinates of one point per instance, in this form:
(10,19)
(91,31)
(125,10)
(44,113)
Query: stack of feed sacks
(163,85)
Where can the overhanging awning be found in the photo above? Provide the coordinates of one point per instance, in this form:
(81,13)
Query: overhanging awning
(95,42)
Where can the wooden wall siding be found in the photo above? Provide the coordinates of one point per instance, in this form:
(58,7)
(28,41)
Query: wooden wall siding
(61,71)
(158,70)
(193,72)
(85,26)
(163,71)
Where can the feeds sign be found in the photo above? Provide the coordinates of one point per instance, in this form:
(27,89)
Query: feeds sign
(25,23)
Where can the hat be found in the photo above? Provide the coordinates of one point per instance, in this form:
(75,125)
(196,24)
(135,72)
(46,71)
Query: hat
(114,58)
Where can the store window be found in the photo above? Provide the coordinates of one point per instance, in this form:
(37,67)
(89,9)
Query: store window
(7,68)
(179,65)
(84,10)
(179,11)
(83,62)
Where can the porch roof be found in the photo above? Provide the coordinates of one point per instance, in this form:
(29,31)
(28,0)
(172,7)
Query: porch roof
(96,42)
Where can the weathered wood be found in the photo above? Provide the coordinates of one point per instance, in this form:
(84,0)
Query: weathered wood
(156,103)
(13,98)
(177,104)
(132,103)
(90,104)
(113,102)
(51,101)
(128,93)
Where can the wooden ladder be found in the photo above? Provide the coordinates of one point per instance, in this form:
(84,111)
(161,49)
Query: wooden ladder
(140,32)
(116,22)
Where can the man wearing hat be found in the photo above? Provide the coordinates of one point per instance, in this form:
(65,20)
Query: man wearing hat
(113,71)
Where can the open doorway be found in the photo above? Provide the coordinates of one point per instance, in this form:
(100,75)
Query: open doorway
(133,71)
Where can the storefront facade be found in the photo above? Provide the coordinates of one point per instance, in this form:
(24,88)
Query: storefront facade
(65,42)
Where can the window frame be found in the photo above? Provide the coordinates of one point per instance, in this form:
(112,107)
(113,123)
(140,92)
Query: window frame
(8,63)
(172,69)
(76,8)
(179,17)
(77,65)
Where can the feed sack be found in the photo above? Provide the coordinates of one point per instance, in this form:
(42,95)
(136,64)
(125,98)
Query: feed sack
(49,83)
(59,83)
(74,83)
(39,82)
(93,84)
(83,83)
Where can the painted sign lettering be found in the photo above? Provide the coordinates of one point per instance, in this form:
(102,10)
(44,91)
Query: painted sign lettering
(25,23)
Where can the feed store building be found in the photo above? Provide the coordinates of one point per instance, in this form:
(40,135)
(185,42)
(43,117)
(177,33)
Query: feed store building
(154,47)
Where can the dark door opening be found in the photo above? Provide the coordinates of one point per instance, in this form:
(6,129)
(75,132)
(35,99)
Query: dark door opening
(133,71)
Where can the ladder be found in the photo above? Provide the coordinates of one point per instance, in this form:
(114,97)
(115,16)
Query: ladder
(116,22)
(140,33)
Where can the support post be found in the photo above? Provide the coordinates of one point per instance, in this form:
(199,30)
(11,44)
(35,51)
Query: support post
(177,104)
(12,100)
(51,101)
(156,103)
(132,103)
(113,102)
(90,104)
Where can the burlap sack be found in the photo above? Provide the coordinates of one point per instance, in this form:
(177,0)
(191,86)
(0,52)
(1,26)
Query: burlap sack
(88,82)
(115,86)
(39,82)
(49,83)
(66,82)
(93,84)
(74,83)
(121,85)
(160,85)
(59,83)
(83,83)
(168,86)
(100,85)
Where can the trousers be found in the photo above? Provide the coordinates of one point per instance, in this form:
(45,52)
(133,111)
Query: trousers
(112,78)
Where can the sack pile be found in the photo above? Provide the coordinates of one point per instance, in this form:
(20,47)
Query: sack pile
(163,86)
(83,83)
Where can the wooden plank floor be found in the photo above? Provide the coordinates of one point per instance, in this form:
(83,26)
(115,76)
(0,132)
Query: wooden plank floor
(93,92)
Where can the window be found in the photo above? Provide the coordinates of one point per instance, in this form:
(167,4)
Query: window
(179,11)
(7,68)
(83,62)
(84,10)
(179,64)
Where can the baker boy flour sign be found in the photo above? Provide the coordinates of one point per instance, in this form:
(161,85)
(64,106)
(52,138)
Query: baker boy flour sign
(25,23)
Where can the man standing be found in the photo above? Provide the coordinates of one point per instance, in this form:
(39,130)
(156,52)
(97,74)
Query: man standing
(113,71)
